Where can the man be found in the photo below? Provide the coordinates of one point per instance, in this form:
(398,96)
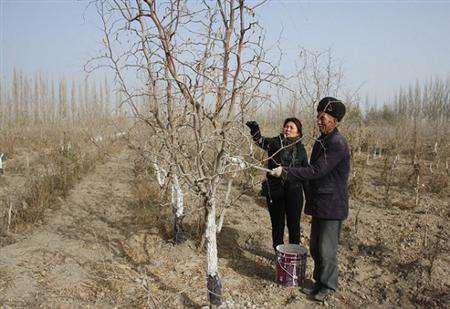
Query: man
(327,196)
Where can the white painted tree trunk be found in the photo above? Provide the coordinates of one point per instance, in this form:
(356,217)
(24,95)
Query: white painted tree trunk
(214,284)
(226,205)
(160,174)
(177,209)
(177,201)
(417,199)
(1,164)
(177,197)
(9,215)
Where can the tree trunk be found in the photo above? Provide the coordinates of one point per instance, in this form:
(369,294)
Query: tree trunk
(214,285)
(1,164)
(417,199)
(178,230)
(178,210)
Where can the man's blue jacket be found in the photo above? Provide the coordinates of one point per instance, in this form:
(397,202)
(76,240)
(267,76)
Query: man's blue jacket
(327,173)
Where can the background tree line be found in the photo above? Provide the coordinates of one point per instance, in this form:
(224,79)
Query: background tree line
(40,100)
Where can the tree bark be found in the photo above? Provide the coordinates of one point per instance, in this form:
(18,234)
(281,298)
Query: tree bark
(214,284)
(178,230)
(178,210)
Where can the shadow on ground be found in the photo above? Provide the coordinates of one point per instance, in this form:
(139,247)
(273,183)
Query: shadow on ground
(241,258)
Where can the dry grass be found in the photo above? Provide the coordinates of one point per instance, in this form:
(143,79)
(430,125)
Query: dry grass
(150,202)
(44,168)
(63,167)
(147,206)
(438,183)
(5,280)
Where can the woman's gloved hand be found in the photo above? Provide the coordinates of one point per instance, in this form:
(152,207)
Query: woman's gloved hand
(254,130)
(253,125)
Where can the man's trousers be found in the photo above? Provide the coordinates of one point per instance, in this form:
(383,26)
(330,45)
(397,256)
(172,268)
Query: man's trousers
(323,248)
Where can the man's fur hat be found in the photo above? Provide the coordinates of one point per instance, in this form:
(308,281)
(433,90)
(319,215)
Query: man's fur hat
(332,106)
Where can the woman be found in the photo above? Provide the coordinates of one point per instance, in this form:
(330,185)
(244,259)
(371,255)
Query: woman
(284,199)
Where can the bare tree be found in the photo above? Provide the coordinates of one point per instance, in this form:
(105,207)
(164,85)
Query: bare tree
(73,103)
(2,103)
(16,97)
(63,102)
(199,68)
(317,75)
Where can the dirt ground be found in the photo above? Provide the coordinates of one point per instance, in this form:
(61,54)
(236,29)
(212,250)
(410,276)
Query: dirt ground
(98,249)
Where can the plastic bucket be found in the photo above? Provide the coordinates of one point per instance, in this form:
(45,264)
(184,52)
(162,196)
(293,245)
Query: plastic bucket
(291,264)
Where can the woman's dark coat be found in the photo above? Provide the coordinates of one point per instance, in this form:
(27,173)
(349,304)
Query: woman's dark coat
(294,156)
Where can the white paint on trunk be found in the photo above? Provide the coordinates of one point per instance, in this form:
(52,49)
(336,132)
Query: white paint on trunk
(211,240)
(417,190)
(177,197)
(98,138)
(238,160)
(227,204)
(1,162)
(9,217)
(396,159)
(243,164)
(160,174)
(119,134)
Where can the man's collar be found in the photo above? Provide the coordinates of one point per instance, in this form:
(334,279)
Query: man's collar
(323,136)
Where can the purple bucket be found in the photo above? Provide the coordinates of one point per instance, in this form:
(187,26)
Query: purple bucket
(291,264)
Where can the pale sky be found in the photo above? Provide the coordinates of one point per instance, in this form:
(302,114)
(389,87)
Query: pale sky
(382,45)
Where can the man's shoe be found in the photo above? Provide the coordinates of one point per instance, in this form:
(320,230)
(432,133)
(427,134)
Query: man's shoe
(323,294)
(311,290)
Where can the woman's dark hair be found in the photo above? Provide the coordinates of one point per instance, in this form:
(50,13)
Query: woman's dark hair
(297,123)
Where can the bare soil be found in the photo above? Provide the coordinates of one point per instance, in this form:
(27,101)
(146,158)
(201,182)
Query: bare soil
(99,248)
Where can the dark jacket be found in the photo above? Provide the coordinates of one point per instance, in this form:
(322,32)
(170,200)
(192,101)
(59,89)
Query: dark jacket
(291,156)
(328,171)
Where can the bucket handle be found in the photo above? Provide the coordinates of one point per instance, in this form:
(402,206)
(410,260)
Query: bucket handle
(293,276)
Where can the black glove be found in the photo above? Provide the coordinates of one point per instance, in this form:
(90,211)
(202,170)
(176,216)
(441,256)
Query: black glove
(253,125)
(254,130)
